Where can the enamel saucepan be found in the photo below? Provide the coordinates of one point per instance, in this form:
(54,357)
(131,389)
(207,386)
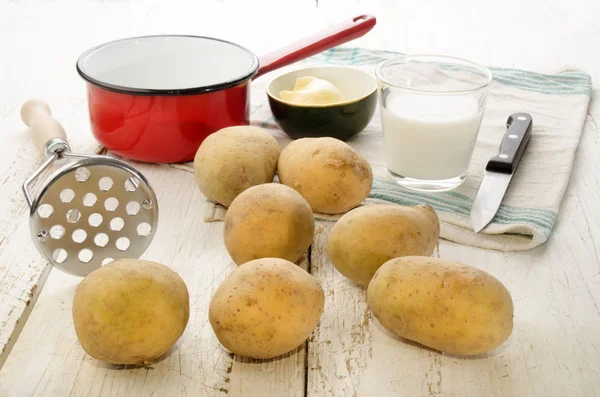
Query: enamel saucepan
(156,98)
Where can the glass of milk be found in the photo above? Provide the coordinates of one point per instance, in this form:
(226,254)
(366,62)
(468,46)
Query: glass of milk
(431,110)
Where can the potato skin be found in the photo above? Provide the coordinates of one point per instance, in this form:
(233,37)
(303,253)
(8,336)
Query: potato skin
(269,220)
(130,311)
(328,172)
(366,237)
(447,306)
(266,308)
(233,159)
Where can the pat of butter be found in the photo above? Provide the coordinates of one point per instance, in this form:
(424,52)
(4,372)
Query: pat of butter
(312,91)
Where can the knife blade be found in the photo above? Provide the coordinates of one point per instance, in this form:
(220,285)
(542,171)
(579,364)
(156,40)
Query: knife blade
(500,169)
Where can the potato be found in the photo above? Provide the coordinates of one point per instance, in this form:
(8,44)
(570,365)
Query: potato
(233,159)
(447,306)
(269,220)
(266,308)
(130,311)
(365,238)
(329,173)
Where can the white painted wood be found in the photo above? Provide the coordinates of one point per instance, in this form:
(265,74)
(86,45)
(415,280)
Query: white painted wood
(48,360)
(282,376)
(48,350)
(554,349)
(197,365)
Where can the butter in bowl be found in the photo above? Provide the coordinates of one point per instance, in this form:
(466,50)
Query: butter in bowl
(333,101)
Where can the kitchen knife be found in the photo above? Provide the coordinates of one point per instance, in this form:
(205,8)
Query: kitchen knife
(500,169)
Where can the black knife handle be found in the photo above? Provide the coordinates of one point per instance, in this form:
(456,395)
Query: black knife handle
(513,144)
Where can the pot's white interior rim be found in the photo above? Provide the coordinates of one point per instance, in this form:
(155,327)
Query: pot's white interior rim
(355,84)
(167,64)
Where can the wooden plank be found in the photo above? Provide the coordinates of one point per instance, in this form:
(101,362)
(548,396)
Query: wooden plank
(33,71)
(22,271)
(48,359)
(553,350)
(41,68)
(281,376)
(555,286)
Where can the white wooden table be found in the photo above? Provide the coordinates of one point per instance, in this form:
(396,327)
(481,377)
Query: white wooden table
(555,347)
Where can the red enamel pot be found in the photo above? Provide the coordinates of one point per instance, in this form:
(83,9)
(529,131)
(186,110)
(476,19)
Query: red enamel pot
(156,98)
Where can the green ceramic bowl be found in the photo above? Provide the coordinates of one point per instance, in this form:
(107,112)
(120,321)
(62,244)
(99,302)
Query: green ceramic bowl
(340,120)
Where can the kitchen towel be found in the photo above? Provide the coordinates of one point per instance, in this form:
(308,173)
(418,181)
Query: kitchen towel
(558,103)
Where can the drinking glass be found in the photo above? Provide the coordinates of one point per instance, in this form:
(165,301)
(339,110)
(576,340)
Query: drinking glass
(431,111)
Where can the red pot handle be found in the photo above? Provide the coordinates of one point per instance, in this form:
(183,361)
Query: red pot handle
(319,42)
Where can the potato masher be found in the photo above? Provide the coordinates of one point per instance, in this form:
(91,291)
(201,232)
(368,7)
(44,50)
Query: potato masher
(90,211)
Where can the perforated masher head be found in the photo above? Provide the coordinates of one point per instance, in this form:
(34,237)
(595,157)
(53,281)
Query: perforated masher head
(92,210)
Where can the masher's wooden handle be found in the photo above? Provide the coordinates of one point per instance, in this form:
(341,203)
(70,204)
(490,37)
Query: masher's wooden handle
(36,114)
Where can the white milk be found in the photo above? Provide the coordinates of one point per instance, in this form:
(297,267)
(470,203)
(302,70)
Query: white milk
(429,137)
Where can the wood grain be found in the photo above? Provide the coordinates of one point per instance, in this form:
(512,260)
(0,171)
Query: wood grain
(556,333)
(196,365)
(554,350)
(43,65)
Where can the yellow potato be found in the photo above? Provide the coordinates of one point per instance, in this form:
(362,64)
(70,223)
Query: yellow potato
(365,238)
(328,172)
(269,220)
(447,306)
(266,308)
(233,159)
(130,311)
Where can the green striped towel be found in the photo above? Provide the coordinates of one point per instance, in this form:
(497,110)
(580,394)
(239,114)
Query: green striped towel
(558,104)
